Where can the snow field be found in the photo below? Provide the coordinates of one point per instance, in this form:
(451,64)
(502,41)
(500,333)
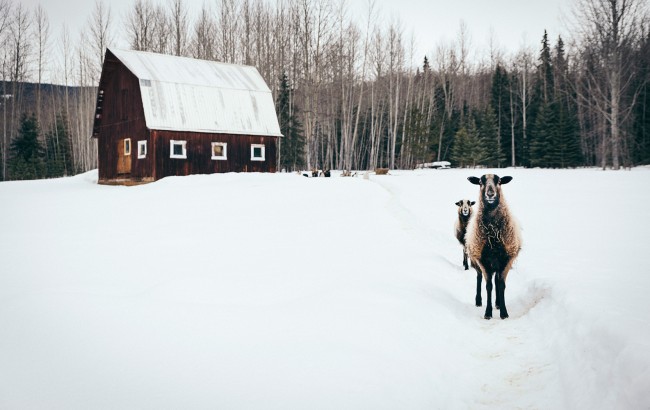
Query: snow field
(278,291)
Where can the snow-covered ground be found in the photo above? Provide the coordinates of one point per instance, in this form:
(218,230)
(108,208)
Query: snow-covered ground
(275,291)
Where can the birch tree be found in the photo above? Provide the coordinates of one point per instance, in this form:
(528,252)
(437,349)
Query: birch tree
(66,51)
(5,12)
(395,62)
(20,43)
(42,29)
(523,63)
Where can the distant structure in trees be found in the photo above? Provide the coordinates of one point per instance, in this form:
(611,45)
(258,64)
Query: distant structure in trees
(159,115)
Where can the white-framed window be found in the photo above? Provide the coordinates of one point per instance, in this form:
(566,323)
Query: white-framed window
(177,149)
(142,149)
(219,150)
(127,146)
(257,152)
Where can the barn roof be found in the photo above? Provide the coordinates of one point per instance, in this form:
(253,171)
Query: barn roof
(186,94)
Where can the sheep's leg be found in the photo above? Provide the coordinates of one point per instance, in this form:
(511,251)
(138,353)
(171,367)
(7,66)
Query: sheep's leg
(501,288)
(504,274)
(479,279)
(497,285)
(465,260)
(488,288)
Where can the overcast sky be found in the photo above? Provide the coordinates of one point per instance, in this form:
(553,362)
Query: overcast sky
(512,23)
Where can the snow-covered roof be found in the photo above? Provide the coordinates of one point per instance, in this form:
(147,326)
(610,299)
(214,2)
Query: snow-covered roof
(186,94)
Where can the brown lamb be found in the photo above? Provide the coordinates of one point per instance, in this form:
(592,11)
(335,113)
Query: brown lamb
(464,214)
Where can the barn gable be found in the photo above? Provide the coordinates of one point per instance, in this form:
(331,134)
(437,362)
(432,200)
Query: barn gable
(185,94)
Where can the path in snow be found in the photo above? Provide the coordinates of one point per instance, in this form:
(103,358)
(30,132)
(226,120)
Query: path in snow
(504,370)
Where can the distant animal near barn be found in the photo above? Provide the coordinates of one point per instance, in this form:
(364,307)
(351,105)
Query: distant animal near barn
(159,115)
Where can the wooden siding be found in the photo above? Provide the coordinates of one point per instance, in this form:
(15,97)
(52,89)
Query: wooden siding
(122,116)
(199,153)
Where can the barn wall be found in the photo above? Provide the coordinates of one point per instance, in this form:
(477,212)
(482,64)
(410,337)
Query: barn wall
(122,116)
(199,155)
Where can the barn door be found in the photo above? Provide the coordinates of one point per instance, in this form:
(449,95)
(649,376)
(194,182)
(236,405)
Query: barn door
(124,156)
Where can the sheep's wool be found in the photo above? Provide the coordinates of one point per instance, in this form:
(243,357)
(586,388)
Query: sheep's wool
(502,228)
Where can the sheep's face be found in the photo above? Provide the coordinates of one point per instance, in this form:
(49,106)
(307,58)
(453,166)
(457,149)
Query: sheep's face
(490,187)
(465,207)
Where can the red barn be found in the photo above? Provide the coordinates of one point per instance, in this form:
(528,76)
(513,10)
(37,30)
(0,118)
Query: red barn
(159,115)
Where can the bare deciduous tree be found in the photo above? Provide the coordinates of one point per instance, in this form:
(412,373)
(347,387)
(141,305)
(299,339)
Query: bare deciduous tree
(522,64)
(610,29)
(228,26)
(20,43)
(66,50)
(101,34)
(205,32)
(42,29)
(5,12)
(141,26)
(447,70)
(179,27)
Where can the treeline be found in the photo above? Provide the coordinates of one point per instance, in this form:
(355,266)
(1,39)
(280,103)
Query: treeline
(49,142)
(349,97)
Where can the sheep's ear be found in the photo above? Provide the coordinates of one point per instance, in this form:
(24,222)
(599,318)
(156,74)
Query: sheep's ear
(474,180)
(458,203)
(472,203)
(505,180)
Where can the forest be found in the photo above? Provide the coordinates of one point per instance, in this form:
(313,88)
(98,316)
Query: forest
(350,91)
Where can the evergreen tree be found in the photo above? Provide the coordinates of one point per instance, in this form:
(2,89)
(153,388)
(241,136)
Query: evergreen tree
(460,152)
(555,142)
(501,105)
(477,151)
(468,148)
(566,151)
(26,160)
(554,152)
(443,125)
(560,68)
(292,145)
(426,67)
(494,156)
(542,136)
(416,128)
(541,111)
(417,125)
(567,141)
(641,121)
(545,70)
